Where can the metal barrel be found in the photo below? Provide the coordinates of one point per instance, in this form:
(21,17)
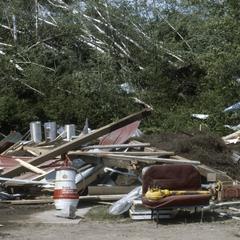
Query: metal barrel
(36,131)
(70,130)
(65,191)
(50,131)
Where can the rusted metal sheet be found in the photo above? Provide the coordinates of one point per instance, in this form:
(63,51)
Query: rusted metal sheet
(120,135)
(9,162)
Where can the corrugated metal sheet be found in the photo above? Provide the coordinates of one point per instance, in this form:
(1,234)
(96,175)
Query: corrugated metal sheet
(120,135)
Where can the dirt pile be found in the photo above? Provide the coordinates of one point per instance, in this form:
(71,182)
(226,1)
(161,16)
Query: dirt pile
(204,147)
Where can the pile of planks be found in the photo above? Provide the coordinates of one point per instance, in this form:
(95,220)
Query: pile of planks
(103,169)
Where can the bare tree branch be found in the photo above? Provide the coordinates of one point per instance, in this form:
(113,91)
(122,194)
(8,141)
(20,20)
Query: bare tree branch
(175,30)
(28,86)
(37,64)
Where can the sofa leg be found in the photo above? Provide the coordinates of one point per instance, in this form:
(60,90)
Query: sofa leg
(157,216)
(152,214)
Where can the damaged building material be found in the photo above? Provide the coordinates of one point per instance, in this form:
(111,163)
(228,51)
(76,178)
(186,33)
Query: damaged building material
(109,167)
(80,141)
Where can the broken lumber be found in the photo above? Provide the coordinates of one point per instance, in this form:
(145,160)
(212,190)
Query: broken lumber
(157,154)
(144,159)
(232,135)
(29,166)
(28,201)
(95,198)
(209,173)
(114,146)
(80,141)
(16,182)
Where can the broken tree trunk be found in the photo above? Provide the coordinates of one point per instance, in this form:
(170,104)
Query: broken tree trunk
(80,141)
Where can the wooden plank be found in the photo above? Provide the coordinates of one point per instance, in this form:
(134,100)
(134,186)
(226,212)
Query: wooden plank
(95,198)
(232,135)
(157,154)
(36,150)
(145,159)
(207,171)
(29,166)
(80,141)
(28,201)
(38,178)
(18,182)
(114,146)
(122,161)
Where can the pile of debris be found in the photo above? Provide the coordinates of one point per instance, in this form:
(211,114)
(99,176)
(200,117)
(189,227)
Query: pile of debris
(108,163)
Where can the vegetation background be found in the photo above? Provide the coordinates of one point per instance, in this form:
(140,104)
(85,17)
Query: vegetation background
(65,60)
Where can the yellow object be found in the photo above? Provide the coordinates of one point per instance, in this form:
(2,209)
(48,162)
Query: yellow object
(157,193)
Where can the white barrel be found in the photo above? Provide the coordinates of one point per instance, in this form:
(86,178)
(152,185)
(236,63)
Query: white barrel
(36,131)
(50,131)
(65,191)
(70,130)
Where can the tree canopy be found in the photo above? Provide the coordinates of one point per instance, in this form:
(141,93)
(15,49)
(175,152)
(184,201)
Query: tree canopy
(65,60)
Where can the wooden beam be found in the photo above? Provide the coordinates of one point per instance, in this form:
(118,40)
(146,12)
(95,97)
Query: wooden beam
(157,154)
(36,150)
(96,198)
(80,141)
(207,171)
(144,159)
(114,146)
(232,135)
(30,167)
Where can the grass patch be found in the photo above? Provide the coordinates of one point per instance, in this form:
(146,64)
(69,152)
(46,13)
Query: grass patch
(100,213)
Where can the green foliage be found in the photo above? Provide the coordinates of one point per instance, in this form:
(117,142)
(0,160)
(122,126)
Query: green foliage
(181,57)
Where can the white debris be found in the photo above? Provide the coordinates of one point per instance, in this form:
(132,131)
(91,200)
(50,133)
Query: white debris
(200,116)
(126,87)
(234,128)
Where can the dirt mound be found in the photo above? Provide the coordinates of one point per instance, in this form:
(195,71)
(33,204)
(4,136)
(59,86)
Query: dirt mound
(204,147)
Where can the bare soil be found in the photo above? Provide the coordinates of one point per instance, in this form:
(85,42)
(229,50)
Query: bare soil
(183,227)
